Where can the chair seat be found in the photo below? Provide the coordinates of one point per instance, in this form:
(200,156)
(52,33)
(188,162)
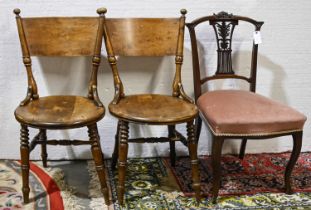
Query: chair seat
(154,109)
(237,112)
(59,112)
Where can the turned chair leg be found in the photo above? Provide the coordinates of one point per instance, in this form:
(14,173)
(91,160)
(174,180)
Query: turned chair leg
(43,139)
(123,149)
(24,150)
(98,159)
(297,142)
(242,148)
(171,129)
(216,160)
(115,153)
(192,146)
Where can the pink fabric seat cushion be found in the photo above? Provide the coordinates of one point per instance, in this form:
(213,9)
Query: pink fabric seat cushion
(243,112)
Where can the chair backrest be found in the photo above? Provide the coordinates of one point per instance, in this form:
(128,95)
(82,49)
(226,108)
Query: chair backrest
(145,37)
(223,25)
(60,36)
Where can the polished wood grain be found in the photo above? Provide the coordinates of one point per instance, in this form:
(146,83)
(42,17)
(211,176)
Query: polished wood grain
(60,36)
(143,36)
(149,37)
(51,36)
(59,112)
(223,25)
(154,109)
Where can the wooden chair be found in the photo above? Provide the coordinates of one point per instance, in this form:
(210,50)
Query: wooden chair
(234,114)
(149,37)
(60,36)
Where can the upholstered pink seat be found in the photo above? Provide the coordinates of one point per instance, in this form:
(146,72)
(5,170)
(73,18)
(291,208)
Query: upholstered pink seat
(238,112)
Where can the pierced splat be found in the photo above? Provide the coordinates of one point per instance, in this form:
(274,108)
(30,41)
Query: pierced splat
(223,25)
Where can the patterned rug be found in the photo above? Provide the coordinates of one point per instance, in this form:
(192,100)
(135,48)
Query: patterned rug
(254,183)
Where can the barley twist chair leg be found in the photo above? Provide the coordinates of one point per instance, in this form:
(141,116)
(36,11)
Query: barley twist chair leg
(24,150)
(98,159)
(123,149)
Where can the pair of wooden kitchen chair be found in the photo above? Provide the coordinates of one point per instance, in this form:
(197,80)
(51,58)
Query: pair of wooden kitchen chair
(82,36)
(228,114)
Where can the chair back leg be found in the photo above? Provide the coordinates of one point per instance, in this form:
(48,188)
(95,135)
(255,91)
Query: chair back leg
(115,153)
(123,149)
(198,126)
(242,148)
(171,134)
(43,139)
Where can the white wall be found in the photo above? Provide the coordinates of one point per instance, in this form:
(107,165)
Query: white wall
(283,67)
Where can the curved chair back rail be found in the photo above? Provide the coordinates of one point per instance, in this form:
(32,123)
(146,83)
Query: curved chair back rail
(42,35)
(223,24)
(143,36)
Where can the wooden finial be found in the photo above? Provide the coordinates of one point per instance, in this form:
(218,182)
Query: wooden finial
(101,11)
(17,11)
(183,11)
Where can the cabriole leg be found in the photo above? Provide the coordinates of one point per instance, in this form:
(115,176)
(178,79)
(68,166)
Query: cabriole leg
(297,142)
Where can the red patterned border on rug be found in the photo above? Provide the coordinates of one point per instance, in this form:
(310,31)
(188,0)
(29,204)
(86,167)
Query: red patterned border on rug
(257,173)
(53,191)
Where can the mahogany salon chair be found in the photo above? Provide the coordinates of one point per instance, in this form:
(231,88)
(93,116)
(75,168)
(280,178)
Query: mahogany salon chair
(150,37)
(238,114)
(60,36)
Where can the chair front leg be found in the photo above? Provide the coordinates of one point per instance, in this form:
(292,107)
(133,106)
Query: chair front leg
(216,160)
(242,148)
(123,149)
(297,143)
(192,146)
(24,150)
(43,139)
(115,153)
(98,159)
(171,130)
